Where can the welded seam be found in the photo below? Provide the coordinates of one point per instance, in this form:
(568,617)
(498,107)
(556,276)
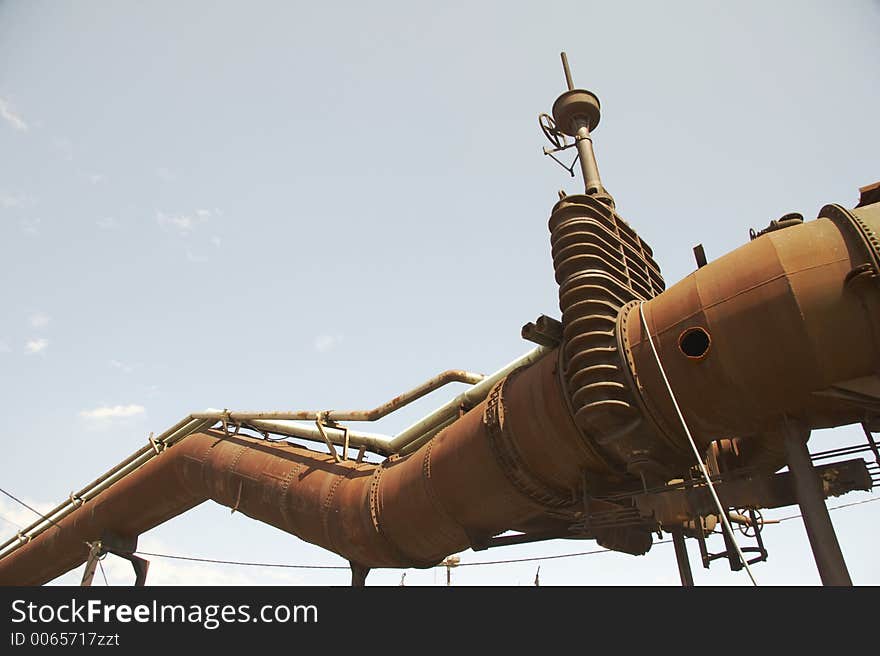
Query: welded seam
(327,504)
(509,458)
(283,503)
(856,227)
(632,378)
(432,493)
(233,465)
(395,550)
(201,462)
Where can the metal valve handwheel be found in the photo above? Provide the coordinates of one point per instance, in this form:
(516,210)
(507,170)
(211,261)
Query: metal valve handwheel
(548,127)
(753,529)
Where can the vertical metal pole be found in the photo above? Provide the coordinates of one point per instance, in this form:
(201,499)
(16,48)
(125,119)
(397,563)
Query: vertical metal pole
(733,559)
(871,443)
(567,71)
(584,144)
(817,521)
(681,556)
(587,158)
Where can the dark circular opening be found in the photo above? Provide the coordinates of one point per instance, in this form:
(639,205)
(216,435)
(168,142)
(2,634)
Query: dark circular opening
(694,342)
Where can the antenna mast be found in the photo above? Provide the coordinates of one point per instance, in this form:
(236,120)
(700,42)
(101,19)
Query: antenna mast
(576,114)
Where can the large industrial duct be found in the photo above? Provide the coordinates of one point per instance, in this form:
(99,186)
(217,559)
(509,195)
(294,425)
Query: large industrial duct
(772,340)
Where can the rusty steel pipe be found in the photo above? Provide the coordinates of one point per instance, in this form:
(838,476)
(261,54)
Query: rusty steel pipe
(406,441)
(145,454)
(519,458)
(430,385)
(374,442)
(381,444)
(410,511)
(782,329)
(786,325)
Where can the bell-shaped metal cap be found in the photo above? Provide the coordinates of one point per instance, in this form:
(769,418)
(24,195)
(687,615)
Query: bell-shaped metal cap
(572,108)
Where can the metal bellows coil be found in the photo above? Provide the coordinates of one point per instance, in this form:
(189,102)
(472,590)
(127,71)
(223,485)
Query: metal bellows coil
(601,264)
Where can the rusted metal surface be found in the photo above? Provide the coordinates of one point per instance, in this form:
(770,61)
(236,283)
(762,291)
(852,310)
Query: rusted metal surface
(156,445)
(545,331)
(408,511)
(787,336)
(869,194)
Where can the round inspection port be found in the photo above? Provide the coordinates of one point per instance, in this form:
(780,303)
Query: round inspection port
(694,343)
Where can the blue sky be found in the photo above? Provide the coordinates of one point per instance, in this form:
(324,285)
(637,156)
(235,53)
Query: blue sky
(310,205)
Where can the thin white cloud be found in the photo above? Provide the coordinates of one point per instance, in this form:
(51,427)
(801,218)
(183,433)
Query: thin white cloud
(4,347)
(64,146)
(325,343)
(8,200)
(39,320)
(113,412)
(197,259)
(17,517)
(30,226)
(11,117)
(166,174)
(124,368)
(36,345)
(182,223)
(107,223)
(97,178)
(216,241)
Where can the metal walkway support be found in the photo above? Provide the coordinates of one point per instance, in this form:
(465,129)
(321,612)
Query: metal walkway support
(808,489)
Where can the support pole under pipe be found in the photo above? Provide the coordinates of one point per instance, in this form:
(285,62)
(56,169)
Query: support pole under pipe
(808,490)
(681,556)
(358,574)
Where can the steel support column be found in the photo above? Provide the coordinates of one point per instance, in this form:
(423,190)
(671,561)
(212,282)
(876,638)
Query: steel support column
(808,489)
(681,556)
